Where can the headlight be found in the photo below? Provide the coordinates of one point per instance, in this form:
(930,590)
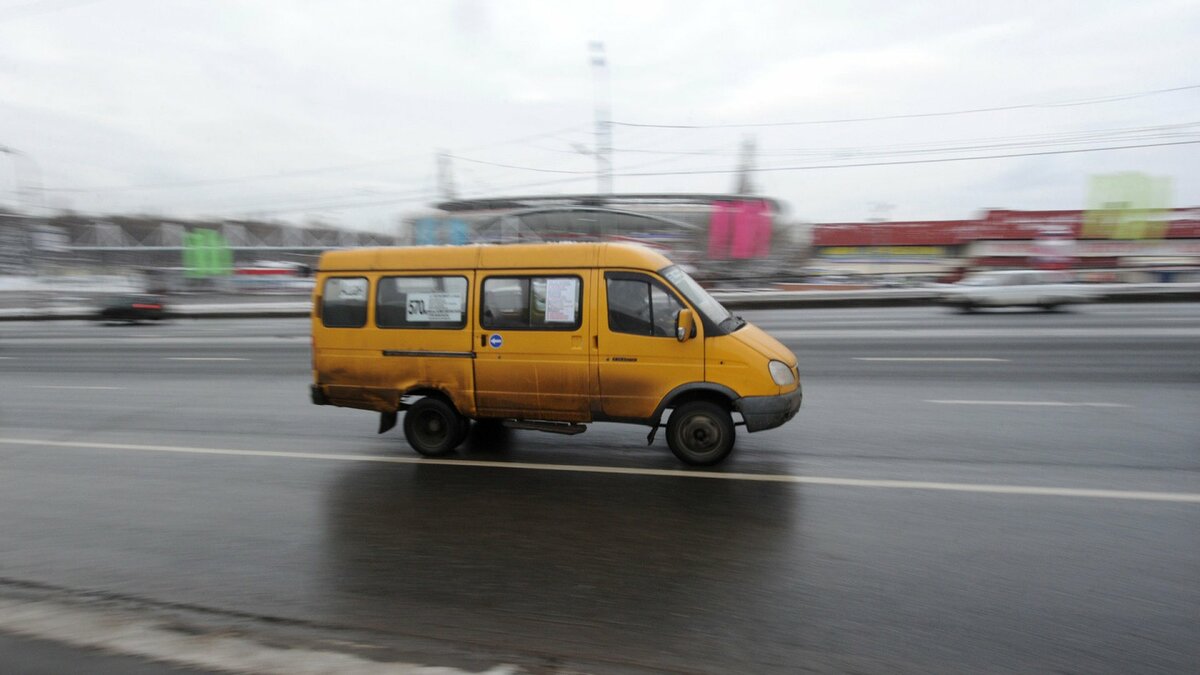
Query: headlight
(781,373)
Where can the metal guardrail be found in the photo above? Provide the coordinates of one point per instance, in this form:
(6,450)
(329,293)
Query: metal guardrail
(760,299)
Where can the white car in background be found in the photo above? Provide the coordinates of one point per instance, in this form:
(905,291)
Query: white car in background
(1016,288)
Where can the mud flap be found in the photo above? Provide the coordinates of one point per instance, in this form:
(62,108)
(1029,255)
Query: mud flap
(387,420)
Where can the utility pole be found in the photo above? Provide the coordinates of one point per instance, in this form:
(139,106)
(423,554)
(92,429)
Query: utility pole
(745,180)
(17,251)
(603,149)
(445,177)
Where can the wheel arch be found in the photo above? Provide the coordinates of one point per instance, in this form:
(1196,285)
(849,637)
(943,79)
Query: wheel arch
(693,391)
(425,391)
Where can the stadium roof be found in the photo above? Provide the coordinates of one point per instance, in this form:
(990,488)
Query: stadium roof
(531,201)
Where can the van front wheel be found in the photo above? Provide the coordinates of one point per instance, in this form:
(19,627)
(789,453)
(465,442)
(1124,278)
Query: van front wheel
(700,433)
(433,427)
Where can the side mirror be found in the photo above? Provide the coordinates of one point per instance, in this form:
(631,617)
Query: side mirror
(685,325)
(317,302)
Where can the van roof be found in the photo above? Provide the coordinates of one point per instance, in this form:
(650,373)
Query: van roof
(493,256)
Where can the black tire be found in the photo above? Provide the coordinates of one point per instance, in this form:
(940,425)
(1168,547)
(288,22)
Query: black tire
(464,430)
(700,433)
(433,427)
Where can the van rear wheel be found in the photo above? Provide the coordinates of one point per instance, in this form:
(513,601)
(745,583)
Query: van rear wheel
(433,427)
(700,433)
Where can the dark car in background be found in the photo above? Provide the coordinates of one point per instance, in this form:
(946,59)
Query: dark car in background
(132,309)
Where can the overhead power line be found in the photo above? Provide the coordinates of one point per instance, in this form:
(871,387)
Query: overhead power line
(970,111)
(1161,132)
(813,167)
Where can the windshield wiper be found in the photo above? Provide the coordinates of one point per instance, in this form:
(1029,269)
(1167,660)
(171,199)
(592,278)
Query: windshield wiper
(738,322)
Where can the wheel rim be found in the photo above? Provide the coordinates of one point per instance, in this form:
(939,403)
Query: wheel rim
(700,434)
(431,429)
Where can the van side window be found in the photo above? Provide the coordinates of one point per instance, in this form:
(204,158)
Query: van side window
(344,302)
(421,302)
(640,307)
(532,303)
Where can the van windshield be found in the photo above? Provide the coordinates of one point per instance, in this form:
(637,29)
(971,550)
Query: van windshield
(700,299)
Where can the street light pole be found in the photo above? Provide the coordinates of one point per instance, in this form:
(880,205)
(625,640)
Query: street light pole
(17,252)
(603,150)
(25,192)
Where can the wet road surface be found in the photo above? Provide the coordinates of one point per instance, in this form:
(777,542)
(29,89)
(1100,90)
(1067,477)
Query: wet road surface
(895,525)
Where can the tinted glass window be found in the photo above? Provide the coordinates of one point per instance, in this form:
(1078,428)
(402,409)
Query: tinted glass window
(421,302)
(663,310)
(344,302)
(532,303)
(641,308)
(629,306)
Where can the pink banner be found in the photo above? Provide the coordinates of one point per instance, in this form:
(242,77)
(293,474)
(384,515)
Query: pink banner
(745,231)
(719,230)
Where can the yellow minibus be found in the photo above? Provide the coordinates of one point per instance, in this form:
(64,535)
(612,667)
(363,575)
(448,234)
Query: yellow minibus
(546,337)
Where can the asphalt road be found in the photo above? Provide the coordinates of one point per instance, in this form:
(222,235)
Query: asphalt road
(1011,491)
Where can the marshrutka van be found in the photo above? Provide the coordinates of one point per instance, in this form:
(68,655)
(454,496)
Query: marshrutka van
(546,337)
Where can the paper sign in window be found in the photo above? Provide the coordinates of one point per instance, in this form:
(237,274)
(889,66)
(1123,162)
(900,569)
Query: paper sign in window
(428,307)
(561,300)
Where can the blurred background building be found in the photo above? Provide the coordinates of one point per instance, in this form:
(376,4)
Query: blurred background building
(1163,244)
(1126,233)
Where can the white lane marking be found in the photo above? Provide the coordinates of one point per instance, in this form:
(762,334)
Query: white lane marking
(7,358)
(931,358)
(68,386)
(1060,404)
(204,358)
(1186,497)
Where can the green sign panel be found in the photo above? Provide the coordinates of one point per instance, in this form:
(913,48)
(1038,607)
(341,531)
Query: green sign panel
(206,254)
(1127,206)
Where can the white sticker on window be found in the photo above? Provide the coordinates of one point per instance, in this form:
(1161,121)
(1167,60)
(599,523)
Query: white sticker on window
(350,289)
(560,300)
(428,307)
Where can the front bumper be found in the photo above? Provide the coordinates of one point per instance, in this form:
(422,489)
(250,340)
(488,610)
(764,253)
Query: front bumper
(768,412)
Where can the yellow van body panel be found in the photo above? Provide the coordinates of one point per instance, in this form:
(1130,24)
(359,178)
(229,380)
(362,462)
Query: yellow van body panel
(538,256)
(561,374)
(761,342)
(732,364)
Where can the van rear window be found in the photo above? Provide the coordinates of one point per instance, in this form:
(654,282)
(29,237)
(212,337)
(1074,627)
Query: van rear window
(421,302)
(532,303)
(344,302)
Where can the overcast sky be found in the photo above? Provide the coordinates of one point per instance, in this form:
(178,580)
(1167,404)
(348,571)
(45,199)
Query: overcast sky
(335,110)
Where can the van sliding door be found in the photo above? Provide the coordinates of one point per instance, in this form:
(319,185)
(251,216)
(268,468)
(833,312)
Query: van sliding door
(532,351)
